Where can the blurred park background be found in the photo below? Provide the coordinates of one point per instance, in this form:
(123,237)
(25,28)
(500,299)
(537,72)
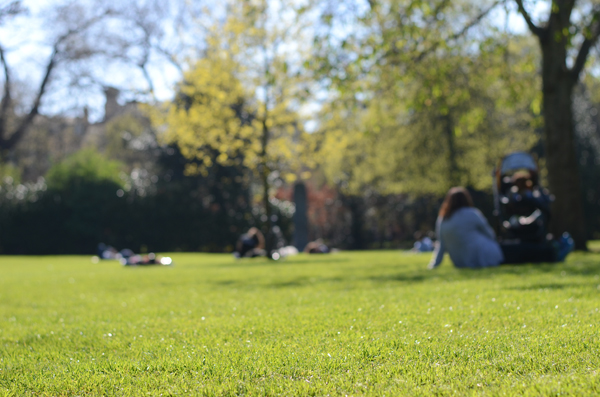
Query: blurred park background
(176,126)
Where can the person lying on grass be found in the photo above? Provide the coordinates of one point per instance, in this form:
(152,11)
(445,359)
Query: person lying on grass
(316,247)
(465,234)
(145,260)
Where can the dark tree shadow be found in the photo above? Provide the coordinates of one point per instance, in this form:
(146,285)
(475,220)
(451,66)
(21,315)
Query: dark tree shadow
(581,265)
(549,286)
(262,261)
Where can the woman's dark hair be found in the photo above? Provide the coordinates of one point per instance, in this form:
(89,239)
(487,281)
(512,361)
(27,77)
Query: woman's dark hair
(457,197)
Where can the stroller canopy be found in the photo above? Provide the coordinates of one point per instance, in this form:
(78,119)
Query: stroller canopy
(516,161)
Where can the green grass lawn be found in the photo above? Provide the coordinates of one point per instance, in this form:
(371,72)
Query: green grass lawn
(356,323)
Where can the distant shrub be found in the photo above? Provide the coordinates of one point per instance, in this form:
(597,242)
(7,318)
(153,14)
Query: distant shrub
(83,202)
(70,212)
(84,167)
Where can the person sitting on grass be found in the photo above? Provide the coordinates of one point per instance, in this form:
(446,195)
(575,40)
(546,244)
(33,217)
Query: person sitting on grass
(251,244)
(423,243)
(465,234)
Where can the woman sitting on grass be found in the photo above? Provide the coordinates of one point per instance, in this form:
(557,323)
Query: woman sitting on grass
(465,234)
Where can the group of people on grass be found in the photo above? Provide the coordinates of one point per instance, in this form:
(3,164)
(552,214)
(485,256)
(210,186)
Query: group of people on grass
(461,229)
(464,233)
(252,244)
(129,258)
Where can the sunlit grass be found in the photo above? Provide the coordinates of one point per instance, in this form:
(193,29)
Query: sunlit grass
(364,323)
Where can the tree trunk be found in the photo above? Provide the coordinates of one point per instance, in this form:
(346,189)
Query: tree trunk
(264,173)
(357,210)
(268,227)
(453,171)
(559,134)
(300,216)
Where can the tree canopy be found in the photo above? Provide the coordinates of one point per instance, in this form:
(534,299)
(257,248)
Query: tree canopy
(433,114)
(239,104)
(381,97)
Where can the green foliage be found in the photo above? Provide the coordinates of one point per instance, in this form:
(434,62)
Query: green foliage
(73,215)
(238,104)
(212,120)
(86,166)
(370,323)
(8,170)
(181,213)
(413,113)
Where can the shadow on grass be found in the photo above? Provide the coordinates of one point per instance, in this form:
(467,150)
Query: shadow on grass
(464,274)
(302,281)
(584,265)
(548,286)
(256,262)
(295,282)
(416,277)
(354,277)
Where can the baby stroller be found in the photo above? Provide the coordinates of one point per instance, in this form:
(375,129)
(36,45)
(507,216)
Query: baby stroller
(521,204)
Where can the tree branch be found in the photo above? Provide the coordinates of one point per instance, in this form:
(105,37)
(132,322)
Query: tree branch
(7,143)
(458,34)
(6,97)
(170,57)
(148,80)
(536,30)
(82,27)
(589,41)
(11,9)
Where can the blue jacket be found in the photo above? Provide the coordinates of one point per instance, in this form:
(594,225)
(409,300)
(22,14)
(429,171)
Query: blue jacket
(469,240)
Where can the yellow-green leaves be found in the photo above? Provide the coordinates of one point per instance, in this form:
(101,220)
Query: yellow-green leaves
(238,105)
(536,104)
(207,118)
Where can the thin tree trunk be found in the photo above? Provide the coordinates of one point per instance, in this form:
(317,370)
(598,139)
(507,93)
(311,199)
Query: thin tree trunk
(453,172)
(268,226)
(268,231)
(357,226)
